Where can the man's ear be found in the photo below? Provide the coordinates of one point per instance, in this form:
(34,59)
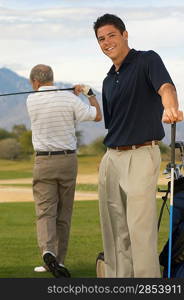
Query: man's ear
(35,84)
(125,35)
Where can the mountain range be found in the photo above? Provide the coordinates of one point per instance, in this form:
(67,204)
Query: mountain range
(13,108)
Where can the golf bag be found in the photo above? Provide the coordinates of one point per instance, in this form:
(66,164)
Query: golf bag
(177,258)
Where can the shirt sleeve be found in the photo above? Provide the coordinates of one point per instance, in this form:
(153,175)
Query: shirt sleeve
(157,71)
(84,112)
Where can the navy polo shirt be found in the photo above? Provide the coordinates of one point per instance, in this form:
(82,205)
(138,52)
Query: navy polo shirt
(132,107)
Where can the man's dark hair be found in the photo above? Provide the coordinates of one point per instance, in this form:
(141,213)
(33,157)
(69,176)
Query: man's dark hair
(109,19)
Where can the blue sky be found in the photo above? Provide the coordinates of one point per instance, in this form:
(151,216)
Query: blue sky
(60,33)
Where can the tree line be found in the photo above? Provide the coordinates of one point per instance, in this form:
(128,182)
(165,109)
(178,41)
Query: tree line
(98,148)
(17,143)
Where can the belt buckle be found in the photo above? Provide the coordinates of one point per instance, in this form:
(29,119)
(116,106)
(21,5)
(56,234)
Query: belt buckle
(133,147)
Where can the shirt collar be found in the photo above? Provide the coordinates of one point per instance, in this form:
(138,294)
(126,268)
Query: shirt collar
(128,59)
(47,87)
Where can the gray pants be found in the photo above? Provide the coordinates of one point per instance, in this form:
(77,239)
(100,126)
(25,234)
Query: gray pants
(54,179)
(128,213)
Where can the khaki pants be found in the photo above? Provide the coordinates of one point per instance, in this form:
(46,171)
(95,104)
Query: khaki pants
(54,179)
(127,193)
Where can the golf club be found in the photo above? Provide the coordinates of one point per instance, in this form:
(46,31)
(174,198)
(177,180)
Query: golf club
(173,136)
(31,92)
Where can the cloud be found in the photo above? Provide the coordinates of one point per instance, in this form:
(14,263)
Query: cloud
(77,22)
(63,37)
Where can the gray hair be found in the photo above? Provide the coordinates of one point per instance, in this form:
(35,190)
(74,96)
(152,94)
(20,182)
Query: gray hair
(42,73)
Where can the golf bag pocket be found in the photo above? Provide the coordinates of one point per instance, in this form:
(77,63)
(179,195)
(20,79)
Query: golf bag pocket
(177,271)
(177,261)
(177,247)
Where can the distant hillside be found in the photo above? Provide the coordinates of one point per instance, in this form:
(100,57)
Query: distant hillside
(13,108)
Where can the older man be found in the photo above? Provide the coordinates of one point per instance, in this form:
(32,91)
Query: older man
(53,117)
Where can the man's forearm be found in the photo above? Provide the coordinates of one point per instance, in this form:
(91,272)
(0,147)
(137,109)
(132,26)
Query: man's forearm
(87,91)
(169,96)
(94,102)
(170,103)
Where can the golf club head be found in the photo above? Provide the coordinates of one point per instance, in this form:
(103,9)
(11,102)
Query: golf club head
(177,171)
(179,144)
(178,167)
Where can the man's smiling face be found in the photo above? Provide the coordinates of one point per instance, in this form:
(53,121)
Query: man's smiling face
(112,42)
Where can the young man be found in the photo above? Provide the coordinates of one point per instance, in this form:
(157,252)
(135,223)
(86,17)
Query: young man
(53,117)
(135,91)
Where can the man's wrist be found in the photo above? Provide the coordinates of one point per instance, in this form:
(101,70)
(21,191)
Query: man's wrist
(87,91)
(90,93)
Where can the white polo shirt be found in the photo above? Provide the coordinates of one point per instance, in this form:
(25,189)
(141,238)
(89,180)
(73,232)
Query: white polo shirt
(53,118)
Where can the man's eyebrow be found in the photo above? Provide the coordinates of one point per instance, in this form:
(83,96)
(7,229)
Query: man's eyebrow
(101,36)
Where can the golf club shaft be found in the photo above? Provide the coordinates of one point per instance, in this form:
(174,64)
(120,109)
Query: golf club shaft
(32,92)
(173,137)
(170,223)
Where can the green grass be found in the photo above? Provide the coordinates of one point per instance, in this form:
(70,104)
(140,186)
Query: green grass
(87,187)
(23,169)
(15,169)
(84,187)
(23,185)
(16,165)
(88,164)
(12,174)
(19,251)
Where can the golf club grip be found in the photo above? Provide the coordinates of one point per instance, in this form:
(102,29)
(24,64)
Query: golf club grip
(173,138)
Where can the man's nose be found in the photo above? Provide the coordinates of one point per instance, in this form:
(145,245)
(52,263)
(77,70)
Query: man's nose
(106,42)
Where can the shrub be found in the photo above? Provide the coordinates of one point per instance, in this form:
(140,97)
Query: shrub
(10,149)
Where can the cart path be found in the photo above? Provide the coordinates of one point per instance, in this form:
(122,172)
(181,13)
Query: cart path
(24,194)
(89,178)
(11,194)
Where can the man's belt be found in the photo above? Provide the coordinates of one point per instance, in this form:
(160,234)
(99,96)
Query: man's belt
(38,153)
(133,147)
